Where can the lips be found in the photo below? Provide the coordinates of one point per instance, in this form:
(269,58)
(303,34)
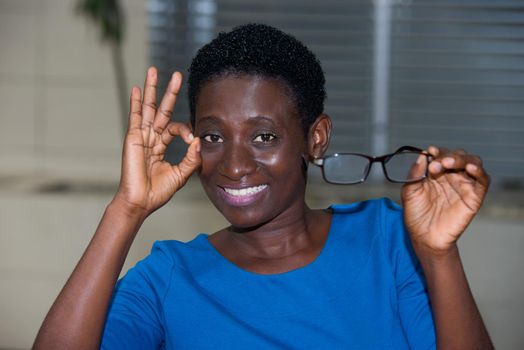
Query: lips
(243,196)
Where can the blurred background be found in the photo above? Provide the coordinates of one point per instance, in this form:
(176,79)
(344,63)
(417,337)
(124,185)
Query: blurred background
(414,72)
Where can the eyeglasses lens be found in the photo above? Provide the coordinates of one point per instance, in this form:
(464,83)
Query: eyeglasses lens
(403,167)
(345,168)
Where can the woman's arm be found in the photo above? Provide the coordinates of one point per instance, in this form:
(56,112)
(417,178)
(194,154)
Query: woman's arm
(457,319)
(76,319)
(437,212)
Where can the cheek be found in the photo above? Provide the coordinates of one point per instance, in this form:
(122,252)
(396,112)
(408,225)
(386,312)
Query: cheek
(210,159)
(268,159)
(283,160)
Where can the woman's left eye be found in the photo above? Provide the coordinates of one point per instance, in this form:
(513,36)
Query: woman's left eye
(265,137)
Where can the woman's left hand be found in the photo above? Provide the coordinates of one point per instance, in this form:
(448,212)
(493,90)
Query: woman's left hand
(438,209)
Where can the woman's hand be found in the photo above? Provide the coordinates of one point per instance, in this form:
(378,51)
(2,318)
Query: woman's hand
(438,209)
(148,181)
(76,319)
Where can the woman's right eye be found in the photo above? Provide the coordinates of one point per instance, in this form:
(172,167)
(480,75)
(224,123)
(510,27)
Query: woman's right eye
(212,138)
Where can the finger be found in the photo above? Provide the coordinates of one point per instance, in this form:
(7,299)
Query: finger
(174,129)
(478,172)
(418,168)
(437,154)
(435,168)
(470,191)
(435,151)
(135,109)
(165,110)
(458,161)
(191,161)
(465,172)
(149,102)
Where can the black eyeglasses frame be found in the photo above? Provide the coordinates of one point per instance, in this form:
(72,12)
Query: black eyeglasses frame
(374,159)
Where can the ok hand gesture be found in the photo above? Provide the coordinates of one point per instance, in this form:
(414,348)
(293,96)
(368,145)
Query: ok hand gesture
(438,209)
(148,181)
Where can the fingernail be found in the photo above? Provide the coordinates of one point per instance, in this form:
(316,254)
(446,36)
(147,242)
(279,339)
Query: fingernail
(473,167)
(190,137)
(436,167)
(448,161)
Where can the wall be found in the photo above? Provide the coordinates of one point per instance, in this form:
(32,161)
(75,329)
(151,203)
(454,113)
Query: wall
(59,121)
(57,90)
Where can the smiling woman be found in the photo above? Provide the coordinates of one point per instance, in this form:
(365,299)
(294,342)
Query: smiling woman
(367,275)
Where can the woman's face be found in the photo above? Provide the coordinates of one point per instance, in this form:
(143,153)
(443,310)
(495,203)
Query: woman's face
(253,148)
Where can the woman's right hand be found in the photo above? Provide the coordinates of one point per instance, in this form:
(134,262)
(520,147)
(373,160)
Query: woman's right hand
(148,181)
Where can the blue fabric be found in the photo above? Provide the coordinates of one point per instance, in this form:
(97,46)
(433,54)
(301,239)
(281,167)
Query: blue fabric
(364,291)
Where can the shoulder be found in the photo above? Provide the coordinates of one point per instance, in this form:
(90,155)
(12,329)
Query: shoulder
(375,225)
(168,254)
(137,304)
(376,216)
(155,270)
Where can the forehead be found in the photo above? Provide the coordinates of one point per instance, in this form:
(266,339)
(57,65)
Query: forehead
(240,97)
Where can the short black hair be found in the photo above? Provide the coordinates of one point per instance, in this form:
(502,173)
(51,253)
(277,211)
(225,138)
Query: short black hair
(261,50)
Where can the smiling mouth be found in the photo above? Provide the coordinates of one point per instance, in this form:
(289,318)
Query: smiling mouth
(241,192)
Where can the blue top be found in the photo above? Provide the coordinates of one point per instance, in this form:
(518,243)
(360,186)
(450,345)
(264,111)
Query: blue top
(365,290)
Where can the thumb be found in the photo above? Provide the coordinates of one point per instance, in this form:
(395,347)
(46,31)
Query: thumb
(191,161)
(418,168)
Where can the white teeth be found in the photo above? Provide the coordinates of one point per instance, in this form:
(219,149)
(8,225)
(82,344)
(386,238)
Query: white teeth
(244,191)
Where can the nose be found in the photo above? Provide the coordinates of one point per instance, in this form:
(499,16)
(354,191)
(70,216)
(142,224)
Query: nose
(237,161)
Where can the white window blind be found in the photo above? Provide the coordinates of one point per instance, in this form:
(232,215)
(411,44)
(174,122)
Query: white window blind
(457,80)
(454,70)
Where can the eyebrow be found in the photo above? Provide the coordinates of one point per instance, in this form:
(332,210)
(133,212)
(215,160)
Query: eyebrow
(209,119)
(261,118)
(215,120)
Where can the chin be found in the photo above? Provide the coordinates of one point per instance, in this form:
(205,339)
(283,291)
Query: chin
(243,219)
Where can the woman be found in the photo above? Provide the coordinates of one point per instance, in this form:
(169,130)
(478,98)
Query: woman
(282,275)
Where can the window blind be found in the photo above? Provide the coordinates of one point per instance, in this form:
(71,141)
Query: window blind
(457,80)
(454,70)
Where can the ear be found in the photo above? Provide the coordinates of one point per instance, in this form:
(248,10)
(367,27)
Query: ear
(318,136)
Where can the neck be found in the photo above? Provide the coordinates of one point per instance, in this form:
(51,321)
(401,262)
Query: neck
(284,236)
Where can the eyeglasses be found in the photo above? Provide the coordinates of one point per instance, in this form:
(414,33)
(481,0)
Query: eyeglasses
(405,165)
